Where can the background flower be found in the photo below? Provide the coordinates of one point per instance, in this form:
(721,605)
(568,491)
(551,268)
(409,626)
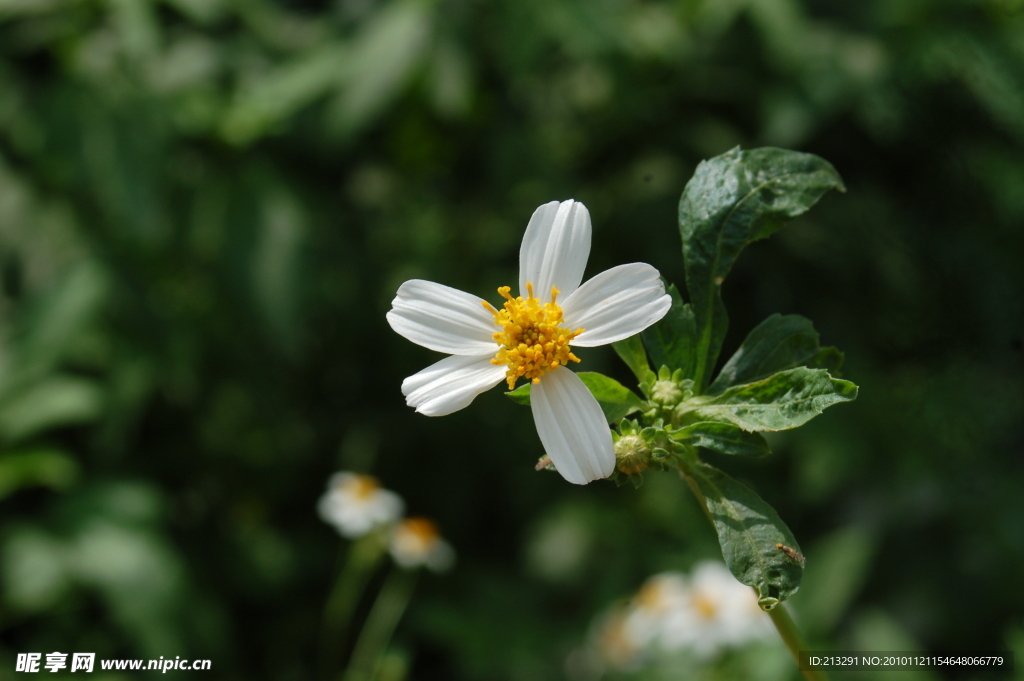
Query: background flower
(356,504)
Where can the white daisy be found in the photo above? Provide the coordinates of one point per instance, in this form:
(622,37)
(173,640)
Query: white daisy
(720,613)
(356,504)
(416,542)
(530,336)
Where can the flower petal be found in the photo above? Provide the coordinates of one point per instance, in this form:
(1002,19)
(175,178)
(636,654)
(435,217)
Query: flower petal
(616,304)
(555,249)
(451,384)
(442,318)
(572,427)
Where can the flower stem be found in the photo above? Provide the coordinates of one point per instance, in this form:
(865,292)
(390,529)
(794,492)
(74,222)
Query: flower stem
(362,557)
(793,639)
(380,624)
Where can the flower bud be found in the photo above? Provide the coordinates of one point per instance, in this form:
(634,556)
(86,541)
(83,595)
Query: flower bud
(632,454)
(666,393)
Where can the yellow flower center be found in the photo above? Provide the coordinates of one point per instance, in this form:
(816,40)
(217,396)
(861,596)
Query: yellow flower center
(531,338)
(416,536)
(705,607)
(362,487)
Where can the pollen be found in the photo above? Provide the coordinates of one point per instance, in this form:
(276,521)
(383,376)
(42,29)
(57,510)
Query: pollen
(532,338)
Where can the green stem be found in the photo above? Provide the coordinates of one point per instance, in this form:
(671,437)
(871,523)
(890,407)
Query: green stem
(793,639)
(373,641)
(364,554)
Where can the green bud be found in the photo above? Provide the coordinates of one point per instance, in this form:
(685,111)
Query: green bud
(666,393)
(632,454)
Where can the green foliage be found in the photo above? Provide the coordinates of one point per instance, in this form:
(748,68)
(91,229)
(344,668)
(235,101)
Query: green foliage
(750,532)
(732,200)
(785,400)
(722,437)
(778,343)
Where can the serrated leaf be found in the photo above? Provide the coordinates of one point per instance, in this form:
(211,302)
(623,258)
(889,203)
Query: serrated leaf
(631,351)
(786,400)
(723,437)
(616,400)
(778,343)
(671,342)
(749,532)
(733,199)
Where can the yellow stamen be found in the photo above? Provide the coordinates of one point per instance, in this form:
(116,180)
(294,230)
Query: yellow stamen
(531,338)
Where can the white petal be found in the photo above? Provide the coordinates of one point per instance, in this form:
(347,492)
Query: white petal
(572,427)
(443,319)
(555,249)
(451,384)
(616,304)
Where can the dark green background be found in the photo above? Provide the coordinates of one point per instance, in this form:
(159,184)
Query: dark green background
(207,206)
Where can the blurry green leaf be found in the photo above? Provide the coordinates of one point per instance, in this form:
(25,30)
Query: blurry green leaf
(841,563)
(786,400)
(874,629)
(749,531)
(13,8)
(616,400)
(35,569)
(631,351)
(137,23)
(672,341)
(726,438)
(275,266)
(732,200)
(451,87)
(59,316)
(383,57)
(778,343)
(42,467)
(200,11)
(271,99)
(56,401)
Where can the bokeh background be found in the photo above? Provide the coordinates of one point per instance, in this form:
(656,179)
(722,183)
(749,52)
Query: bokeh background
(206,207)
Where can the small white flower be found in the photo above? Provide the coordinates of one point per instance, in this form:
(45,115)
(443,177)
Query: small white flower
(531,336)
(719,613)
(658,598)
(356,504)
(416,542)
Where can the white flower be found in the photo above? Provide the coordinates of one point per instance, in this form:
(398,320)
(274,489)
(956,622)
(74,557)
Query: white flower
(658,598)
(530,336)
(356,504)
(416,542)
(719,613)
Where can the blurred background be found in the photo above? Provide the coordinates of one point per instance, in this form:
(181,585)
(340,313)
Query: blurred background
(206,207)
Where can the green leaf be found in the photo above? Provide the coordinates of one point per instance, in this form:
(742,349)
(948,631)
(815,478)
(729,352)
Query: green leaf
(45,467)
(749,532)
(732,200)
(778,343)
(723,437)
(671,342)
(786,400)
(616,400)
(631,351)
(54,402)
